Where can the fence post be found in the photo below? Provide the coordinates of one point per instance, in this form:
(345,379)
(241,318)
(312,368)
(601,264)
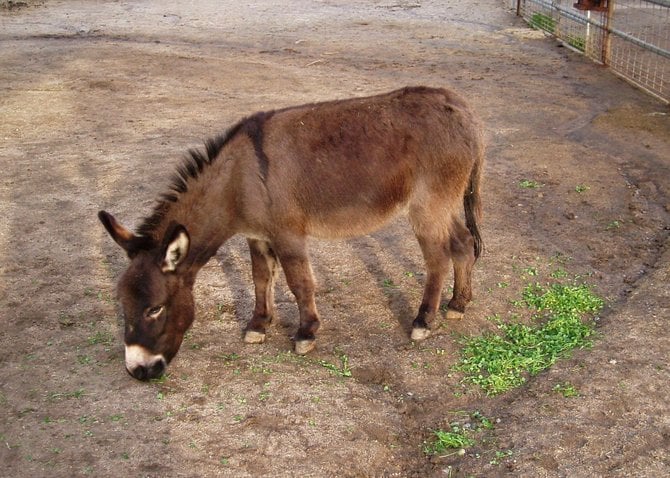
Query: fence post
(607,36)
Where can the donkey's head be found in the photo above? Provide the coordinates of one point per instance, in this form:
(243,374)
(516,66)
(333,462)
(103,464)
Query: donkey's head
(156,294)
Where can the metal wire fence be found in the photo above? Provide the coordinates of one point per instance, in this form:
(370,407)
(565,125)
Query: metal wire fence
(632,37)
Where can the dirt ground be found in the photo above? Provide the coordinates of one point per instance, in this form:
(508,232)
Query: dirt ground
(99,101)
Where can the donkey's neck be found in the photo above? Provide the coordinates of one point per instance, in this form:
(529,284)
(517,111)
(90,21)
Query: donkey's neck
(204,205)
(206,211)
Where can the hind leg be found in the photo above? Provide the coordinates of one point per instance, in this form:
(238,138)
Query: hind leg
(263,270)
(436,255)
(462,248)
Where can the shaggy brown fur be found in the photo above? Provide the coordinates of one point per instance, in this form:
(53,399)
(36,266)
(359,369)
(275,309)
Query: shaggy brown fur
(332,170)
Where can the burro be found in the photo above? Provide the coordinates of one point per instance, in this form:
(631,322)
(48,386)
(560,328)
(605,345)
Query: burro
(336,169)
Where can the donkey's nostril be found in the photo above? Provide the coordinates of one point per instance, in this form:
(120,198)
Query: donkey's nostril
(139,372)
(156,370)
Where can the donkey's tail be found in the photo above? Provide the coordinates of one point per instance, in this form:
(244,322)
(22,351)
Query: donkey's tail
(472,203)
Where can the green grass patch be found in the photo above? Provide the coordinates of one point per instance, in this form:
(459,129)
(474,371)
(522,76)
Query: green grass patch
(500,362)
(616,224)
(540,21)
(342,370)
(500,456)
(389,284)
(529,184)
(461,434)
(442,441)
(578,43)
(566,389)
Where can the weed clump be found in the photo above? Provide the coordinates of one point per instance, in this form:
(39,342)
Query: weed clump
(499,362)
(460,435)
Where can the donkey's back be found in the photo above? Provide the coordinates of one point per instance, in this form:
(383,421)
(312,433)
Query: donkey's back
(345,167)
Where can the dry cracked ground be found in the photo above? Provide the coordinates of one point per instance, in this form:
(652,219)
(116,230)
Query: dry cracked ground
(100,100)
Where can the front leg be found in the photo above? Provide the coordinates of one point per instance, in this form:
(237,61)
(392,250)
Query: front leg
(263,271)
(292,253)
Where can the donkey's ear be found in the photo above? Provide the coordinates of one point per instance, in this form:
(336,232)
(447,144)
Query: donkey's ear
(122,236)
(175,247)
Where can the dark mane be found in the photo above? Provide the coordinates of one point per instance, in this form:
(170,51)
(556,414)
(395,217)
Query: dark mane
(192,166)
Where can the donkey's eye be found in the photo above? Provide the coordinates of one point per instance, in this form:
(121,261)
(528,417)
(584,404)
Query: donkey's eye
(154,312)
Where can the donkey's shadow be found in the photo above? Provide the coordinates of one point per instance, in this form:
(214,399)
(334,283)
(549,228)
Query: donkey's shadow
(382,257)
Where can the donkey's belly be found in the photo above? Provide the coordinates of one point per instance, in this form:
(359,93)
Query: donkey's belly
(355,201)
(352,221)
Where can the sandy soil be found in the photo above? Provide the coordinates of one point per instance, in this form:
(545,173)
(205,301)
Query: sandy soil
(99,101)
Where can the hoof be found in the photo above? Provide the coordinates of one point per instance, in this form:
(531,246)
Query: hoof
(420,334)
(253,337)
(454,314)
(303,347)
